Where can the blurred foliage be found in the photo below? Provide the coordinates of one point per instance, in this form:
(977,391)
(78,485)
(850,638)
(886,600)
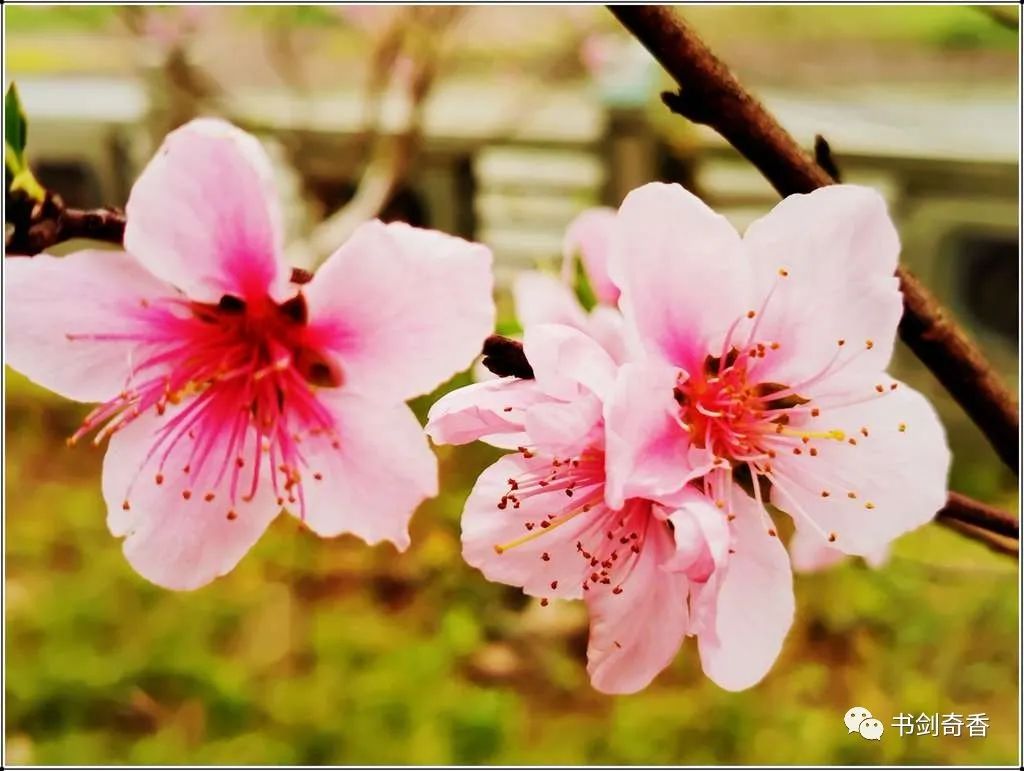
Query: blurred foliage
(328,651)
(949,26)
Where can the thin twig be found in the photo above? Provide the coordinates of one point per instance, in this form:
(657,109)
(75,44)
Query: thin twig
(992,541)
(710,94)
(39,226)
(980,515)
(823,157)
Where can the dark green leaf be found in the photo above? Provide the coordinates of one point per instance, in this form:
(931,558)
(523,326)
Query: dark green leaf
(15,128)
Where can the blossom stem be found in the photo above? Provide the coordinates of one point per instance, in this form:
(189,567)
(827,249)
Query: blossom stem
(710,94)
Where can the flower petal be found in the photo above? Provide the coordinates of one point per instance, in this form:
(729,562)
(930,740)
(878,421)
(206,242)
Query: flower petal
(175,541)
(607,326)
(204,215)
(896,474)
(751,604)
(564,429)
(838,248)
(487,525)
(648,454)
(636,633)
(682,272)
(540,298)
(564,358)
(373,482)
(809,552)
(701,534)
(590,235)
(493,411)
(88,293)
(404,308)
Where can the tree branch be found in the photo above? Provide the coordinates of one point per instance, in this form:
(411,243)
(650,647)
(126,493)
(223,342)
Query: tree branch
(504,356)
(710,94)
(37,226)
(993,542)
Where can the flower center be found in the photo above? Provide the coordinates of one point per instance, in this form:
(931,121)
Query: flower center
(739,419)
(242,377)
(603,544)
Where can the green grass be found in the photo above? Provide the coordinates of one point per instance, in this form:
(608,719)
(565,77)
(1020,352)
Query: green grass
(328,651)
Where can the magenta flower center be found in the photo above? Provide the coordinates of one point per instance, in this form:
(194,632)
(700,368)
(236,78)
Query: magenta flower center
(242,380)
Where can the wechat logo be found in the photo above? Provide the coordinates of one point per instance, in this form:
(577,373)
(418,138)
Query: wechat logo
(860,721)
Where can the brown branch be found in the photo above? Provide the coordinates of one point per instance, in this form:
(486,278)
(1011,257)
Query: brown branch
(971,512)
(992,541)
(823,157)
(37,226)
(710,94)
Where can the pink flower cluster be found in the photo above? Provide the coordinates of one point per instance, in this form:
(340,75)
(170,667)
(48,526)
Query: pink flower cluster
(748,373)
(719,377)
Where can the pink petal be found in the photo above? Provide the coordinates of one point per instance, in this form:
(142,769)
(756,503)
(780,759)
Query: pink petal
(589,235)
(540,298)
(204,215)
(607,327)
(178,542)
(564,358)
(702,537)
(373,482)
(682,271)
(648,454)
(493,411)
(898,477)
(486,526)
(810,552)
(564,429)
(752,604)
(404,308)
(93,293)
(636,633)
(839,249)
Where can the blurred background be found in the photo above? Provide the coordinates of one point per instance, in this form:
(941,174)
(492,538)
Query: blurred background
(501,124)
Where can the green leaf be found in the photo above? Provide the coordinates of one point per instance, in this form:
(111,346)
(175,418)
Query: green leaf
(17,174)
(15,130)
(584,291)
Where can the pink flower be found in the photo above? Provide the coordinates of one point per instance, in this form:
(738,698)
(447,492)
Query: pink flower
(589,238)
(650,571)
(763,358)
(228,392)
(540,298)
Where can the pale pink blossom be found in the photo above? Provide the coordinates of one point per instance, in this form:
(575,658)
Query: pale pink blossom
(228,392)
(541,298)
(650,571)
(762,365)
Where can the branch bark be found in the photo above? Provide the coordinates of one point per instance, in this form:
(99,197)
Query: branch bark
(710,94)
(38,226)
